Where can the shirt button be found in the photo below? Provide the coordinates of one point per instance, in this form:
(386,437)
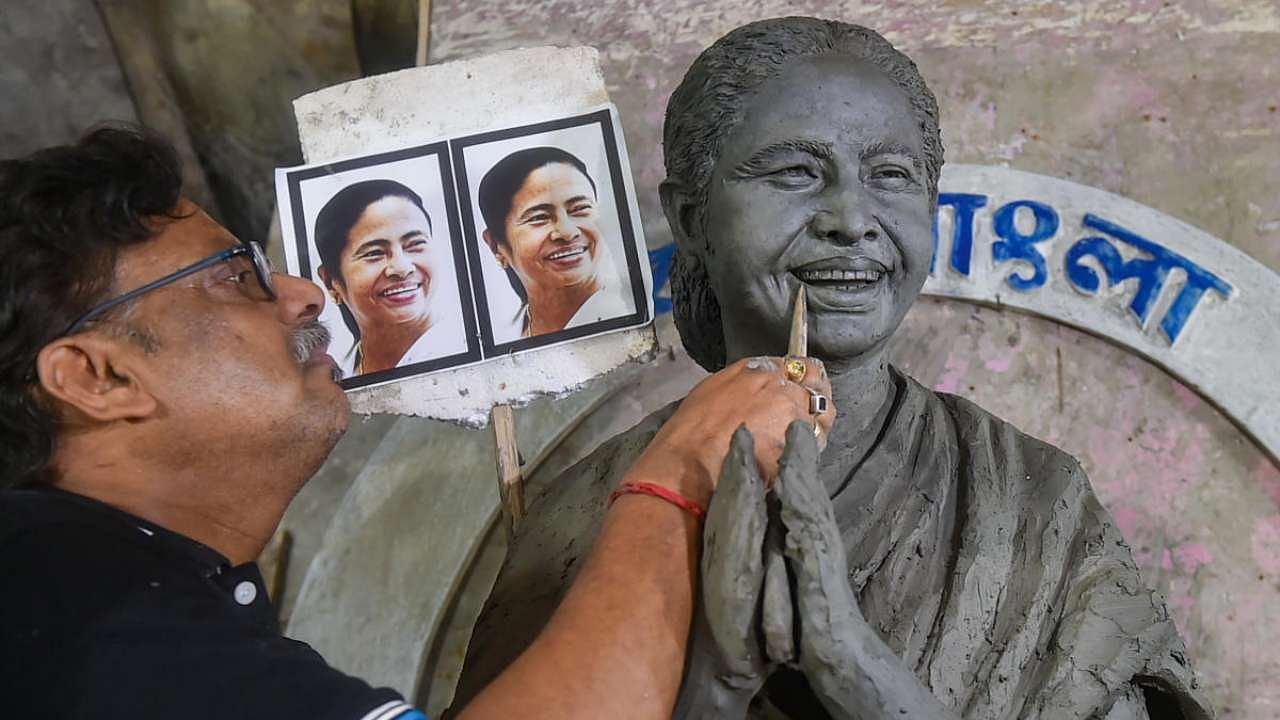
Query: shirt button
(245,592)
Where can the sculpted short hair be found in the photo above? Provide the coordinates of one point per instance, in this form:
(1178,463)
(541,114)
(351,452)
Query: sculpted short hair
(65,214)
(710,102)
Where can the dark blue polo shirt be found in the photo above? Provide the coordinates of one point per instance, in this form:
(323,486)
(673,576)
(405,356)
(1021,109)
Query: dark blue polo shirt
(105,615)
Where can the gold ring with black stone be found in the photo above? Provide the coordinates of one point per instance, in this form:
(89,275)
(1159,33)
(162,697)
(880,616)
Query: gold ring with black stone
(818,402)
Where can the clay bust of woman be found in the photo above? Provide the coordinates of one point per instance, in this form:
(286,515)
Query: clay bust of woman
(382,268)
(540,208)
(947,566)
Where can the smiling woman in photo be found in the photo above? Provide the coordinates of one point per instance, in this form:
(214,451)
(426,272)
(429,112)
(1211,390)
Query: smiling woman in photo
(382,268)
(540,209)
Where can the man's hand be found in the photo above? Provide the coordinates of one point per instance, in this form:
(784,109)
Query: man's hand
(691,447)
(631,606)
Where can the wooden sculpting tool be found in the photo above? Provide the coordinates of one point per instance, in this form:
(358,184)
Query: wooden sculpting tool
(798,346)
(797,350)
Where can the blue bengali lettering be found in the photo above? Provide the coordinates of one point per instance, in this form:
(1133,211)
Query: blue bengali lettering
(1150,272)
(660,263)
(965,207)
(1015,246)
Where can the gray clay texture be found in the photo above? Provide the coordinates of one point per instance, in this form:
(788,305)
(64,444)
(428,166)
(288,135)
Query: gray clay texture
(931,561)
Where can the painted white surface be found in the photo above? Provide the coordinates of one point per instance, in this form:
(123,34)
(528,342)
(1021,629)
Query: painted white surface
(1229,347)
(419,105)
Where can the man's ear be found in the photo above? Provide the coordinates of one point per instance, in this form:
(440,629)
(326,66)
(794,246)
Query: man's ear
(98,377)
(681,212)
(499,250)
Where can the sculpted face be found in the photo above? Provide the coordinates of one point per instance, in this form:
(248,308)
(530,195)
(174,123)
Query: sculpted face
(822,183)
(387,265)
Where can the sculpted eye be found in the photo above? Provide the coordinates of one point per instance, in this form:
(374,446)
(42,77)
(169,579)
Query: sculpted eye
(893,175)
(793,177)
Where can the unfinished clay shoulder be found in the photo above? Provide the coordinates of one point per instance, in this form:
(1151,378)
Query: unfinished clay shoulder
(547,551)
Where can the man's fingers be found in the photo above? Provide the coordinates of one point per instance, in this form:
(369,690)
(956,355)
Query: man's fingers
(756,392)
(762,364)
(732,557)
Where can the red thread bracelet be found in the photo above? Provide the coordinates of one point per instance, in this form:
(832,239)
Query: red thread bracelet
(662,493)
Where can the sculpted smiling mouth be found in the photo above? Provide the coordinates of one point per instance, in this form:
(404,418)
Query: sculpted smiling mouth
(842,273)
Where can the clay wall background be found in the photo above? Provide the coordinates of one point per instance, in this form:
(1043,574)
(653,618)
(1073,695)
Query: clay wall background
(1171,104)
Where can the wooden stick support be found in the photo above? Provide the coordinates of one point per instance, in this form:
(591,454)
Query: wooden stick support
(424,31)
(510,479)
(275,563)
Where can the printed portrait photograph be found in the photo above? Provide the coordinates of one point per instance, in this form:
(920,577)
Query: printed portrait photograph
(379,235)
(550,232)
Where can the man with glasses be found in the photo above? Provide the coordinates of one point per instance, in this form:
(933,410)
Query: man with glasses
(163,396)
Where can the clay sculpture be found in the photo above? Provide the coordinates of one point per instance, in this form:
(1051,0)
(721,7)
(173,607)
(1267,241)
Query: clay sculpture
(932,561)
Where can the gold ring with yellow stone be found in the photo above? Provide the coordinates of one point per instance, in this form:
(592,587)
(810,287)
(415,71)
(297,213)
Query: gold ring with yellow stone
(795,369)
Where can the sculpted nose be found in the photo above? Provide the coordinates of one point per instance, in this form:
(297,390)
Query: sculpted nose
(846,222)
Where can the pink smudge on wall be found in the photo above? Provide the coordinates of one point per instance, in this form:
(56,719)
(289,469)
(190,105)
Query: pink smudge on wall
(1266,545)
(1192,556)
(1126,518)
(996,358)
(953,373)
(1187,398)
(1267,476)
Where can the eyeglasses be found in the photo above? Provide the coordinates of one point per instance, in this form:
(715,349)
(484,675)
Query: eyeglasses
(251,250)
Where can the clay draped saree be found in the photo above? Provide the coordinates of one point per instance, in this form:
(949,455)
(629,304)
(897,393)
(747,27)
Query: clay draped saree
(979,554)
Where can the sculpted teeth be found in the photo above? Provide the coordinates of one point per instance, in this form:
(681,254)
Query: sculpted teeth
(845,275)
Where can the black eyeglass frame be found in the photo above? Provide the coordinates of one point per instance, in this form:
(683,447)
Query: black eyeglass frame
(261,268)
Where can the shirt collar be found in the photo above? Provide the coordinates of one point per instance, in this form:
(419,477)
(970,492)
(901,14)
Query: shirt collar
(164,540)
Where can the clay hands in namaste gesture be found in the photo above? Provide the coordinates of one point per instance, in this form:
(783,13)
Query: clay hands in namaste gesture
(775,592)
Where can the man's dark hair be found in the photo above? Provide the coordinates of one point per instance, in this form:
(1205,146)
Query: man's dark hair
(341,213)
(499,186)
(66,212)
(709,104)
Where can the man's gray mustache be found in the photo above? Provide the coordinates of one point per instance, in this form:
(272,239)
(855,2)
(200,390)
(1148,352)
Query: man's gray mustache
(306,339)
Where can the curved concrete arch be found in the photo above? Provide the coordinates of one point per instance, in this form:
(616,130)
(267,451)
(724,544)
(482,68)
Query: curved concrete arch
(1189,302)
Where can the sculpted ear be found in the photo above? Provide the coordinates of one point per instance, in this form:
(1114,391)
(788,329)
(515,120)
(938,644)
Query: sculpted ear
(97,377)
(681,212)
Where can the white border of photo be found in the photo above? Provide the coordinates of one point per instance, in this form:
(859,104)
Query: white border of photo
(503,90)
